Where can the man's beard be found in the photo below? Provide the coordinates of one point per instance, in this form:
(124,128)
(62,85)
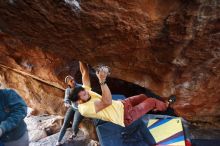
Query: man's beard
(88,99)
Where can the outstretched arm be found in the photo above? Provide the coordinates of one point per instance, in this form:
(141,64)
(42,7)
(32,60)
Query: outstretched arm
(84,69)
(106,99)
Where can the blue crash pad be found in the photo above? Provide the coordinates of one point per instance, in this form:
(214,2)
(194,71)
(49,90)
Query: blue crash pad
(113,135)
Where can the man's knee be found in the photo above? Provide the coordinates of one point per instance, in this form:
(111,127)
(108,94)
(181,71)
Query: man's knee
(160,106)
(143,95)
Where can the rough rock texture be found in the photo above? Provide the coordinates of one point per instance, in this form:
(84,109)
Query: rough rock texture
(44,130)
(36,75)
(42,126)
(171,47)
(80,140)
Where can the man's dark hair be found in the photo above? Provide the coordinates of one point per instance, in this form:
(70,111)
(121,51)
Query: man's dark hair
(74,94)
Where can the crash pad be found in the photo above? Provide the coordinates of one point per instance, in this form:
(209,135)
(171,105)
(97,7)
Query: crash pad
(168,131)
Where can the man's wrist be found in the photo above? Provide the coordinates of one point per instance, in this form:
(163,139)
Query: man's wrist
(102,82)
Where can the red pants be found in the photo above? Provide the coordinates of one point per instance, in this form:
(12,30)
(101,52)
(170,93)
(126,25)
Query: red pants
(136,106)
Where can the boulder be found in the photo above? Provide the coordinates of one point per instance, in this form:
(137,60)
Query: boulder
(170,47)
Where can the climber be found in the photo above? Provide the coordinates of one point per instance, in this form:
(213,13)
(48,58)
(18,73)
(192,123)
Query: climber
(13,110)
(72,112)
(124,112)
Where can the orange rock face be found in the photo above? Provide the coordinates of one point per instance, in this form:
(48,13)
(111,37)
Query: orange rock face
(171,47)
(36,75)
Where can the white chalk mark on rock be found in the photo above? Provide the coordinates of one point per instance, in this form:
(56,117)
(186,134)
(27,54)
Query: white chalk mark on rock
(73,3)
(11,1)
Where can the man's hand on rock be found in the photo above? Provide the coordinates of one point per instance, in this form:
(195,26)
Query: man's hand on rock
(102,73)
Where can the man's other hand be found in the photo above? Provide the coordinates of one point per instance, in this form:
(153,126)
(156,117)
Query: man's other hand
(67,105)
